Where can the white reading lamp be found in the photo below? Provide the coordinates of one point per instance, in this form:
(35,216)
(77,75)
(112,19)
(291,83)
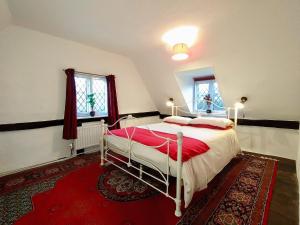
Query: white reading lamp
(170,103)
(237,106)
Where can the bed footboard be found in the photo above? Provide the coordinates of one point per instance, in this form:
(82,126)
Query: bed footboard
(106,155)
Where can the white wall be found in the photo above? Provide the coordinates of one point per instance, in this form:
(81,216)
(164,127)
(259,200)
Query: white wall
(253,46)
(269,141)
(254,49)
(32,86)
(21,149)
(5,15)
(31,71)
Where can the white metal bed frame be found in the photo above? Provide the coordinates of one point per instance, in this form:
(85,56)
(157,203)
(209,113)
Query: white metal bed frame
(164,177)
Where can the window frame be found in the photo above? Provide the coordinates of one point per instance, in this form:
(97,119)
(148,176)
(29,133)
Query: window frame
(211,81)
(89,89)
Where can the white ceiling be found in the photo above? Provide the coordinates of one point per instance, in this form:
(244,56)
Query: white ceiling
(115,25)
(5,17)
(252,45)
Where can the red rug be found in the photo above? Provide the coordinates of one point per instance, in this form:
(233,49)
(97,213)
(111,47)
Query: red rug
(239,195)
(22,179)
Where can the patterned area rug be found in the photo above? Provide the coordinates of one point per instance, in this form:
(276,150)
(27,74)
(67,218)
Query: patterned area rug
(19,180)
(118,185)
(16,190)
(239,195)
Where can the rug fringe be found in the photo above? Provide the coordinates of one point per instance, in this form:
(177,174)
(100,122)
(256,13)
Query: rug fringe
(259,156)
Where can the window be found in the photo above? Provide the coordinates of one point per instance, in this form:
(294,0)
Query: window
(86,85)
(205,87)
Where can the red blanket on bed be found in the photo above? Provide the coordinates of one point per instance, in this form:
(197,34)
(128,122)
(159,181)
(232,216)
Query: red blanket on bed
(190,146)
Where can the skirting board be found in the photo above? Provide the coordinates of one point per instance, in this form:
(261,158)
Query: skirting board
(89,151)
(34,166)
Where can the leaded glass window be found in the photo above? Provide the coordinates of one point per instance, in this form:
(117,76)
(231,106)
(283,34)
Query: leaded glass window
(86,85)
(206,88)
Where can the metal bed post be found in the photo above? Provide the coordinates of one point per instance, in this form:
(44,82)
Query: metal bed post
(235,116)
(228,112)
(235,119)
(102,132)
(141,171)
(174,109)
(179,174)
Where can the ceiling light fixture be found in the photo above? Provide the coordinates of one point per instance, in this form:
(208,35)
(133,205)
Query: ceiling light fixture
(180,52)
(181,39)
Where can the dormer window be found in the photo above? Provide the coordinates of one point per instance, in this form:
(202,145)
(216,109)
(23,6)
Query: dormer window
(206,87)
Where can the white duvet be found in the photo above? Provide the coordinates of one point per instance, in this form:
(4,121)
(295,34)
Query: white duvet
(198,171)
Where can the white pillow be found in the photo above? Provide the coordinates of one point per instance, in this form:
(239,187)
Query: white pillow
(177,119)
(212,121)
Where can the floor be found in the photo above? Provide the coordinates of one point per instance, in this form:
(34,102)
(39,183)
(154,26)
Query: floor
(285,202)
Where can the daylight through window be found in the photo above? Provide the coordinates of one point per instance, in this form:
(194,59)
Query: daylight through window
(86,85)
(207,89)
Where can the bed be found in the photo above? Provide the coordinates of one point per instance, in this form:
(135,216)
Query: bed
(194,171)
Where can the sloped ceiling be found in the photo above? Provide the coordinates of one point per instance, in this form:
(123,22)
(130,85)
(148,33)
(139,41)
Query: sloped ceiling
(253,46)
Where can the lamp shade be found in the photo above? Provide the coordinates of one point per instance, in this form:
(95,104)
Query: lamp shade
(180,52)
(239,105)
(170,102)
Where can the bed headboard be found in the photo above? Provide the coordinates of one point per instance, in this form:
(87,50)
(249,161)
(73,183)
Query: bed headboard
(228,111)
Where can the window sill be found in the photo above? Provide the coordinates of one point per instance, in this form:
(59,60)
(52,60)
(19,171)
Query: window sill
(90,117)
(214,114)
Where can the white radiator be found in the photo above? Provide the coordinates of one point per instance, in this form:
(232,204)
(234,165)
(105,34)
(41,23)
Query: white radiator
(87,136)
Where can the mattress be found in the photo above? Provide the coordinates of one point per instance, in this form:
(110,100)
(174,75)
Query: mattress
(198,171)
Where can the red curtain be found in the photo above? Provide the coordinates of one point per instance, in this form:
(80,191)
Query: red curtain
(70,119)
(112,102)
